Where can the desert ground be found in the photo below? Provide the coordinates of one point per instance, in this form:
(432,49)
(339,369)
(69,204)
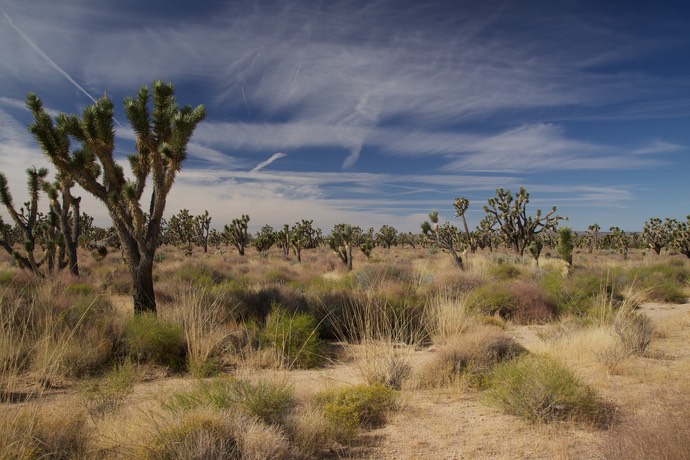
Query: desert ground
(128,404)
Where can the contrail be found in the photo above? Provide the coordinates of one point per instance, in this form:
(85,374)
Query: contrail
(244,96)
(45,57)
(263,164)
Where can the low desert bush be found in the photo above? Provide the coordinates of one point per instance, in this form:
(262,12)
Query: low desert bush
(540,389)
(151,340)
(470,357)
(199,434)
(294,338)
(661,282)
(634,329)
(350,408)
(519,300)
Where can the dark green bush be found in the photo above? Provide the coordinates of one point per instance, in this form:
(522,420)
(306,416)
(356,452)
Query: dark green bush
(294,336)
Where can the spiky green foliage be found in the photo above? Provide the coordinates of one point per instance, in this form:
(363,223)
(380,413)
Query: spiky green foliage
(237,233)
(566,244)
(657,234)
(162,132)
(510,219)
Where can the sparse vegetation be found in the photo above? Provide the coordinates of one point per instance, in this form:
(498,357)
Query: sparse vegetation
(402,330)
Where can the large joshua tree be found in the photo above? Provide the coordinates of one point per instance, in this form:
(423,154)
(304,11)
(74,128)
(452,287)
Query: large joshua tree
(515,226)
(162,129)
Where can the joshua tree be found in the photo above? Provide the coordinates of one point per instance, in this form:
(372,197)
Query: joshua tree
(593,231)
(657,234)
(619,240)
(27,219)
(264,239)
(237,234)
(283,239)
(461,204)
(162,132)
(301,235)
(341,242)
(510,215)
(447,237)
(181,230)
(681,237)
(535,248)
(66,208)
(386,236)
(367,246)
(433,218)
(203,224)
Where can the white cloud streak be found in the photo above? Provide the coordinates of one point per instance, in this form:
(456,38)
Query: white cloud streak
(263,164)
(44,56)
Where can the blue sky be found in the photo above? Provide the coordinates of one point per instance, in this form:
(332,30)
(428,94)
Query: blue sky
(378,112)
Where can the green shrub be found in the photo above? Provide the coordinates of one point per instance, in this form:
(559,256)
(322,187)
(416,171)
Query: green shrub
(540,389)
(293,336)
(149,339)
(505,271)
(661,282)
(270,402)
(359,406)
(493,299)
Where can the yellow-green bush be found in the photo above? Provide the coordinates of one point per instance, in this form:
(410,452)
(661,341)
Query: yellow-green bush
(540,389)
(359,406)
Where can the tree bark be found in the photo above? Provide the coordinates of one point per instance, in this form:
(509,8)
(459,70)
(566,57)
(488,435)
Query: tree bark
(142,286)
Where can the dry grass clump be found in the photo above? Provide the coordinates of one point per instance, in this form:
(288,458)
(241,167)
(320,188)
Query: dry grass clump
(470,357)
(663,432)
(33,433)
(53,330)
(206,325)
(448,316)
